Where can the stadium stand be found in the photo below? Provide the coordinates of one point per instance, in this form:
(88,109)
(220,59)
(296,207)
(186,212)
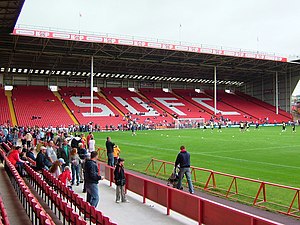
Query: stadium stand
(251,110)
(263,104)
(78,101)
(114,106)
(207,104)
(136,106)
(174,104)
(35,105)
(4,108)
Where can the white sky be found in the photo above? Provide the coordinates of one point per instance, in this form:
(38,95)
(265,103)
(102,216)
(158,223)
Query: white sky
(264,25)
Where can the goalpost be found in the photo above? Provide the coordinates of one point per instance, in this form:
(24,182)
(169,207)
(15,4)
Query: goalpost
(182,123)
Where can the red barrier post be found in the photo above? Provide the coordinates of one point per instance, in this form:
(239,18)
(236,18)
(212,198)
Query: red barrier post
(169,200)
(200,212)
(145,191)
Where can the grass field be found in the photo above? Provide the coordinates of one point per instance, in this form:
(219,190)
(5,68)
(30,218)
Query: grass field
(266,154)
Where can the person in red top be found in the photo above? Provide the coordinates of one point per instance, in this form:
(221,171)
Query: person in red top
(88,138)
(65,177)
(14,158)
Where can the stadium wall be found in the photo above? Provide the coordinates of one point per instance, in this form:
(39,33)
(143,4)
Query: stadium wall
(264,87)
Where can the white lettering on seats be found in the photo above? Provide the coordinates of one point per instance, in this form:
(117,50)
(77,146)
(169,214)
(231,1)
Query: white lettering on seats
(105,111)
(171,105)
(148,112)
(200,101)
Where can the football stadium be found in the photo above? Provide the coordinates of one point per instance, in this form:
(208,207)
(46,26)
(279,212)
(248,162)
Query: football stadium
(76,106)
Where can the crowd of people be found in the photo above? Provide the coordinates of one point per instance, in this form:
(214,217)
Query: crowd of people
(70,158)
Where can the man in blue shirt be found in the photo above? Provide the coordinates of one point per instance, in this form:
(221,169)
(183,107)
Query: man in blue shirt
(183,161)
(91,179)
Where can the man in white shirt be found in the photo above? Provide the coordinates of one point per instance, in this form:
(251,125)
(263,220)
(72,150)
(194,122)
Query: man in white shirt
(51,152)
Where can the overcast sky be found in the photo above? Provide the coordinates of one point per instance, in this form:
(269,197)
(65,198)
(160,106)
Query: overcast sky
(264,25)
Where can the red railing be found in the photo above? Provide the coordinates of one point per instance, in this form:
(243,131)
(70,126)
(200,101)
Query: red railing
(231,186)
(199,209)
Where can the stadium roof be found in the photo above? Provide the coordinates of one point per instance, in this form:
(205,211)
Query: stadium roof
(44,54)
(9,13)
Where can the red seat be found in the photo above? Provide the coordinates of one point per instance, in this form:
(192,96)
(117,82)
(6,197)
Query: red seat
(99,216)
(93,214)
(80,221)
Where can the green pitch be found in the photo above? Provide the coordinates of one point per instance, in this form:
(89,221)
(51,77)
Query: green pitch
(266,154)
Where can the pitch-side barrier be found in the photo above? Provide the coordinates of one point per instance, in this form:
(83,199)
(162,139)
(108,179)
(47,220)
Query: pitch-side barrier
(194,207)
(266,194)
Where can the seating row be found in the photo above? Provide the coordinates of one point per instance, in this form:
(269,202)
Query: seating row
(63,209)
(3,214)
(83,207)
(33,208)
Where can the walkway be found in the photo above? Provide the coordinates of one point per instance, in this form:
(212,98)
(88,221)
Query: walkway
(134,212)
(138,213)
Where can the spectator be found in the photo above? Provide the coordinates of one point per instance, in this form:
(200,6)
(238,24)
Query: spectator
(65,176)
(120,181)
(116,153)
(88,138)
(51,152)
(92,144)
(75,141)
(82,152)
(110,150)
(22,155)
(83,155)
(14,158)
(15,137)
(92,177)
(183,161)
(83,140)
(30,154)
(65,153)
(75,166)
(28,138)
(56,168)
(41,160)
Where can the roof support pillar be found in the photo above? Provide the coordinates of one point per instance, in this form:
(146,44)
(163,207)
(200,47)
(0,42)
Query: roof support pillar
(290,92)
(215,90)
(92,85)
(276,91)
(262,88)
